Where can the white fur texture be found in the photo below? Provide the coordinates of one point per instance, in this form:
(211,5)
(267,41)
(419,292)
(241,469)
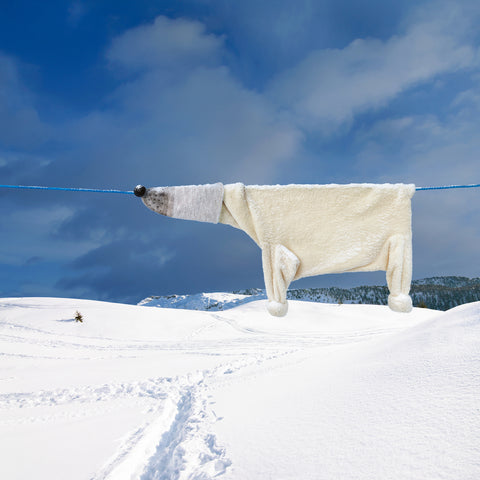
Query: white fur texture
(277,309)
(201,203)
(400,303)
(306,230)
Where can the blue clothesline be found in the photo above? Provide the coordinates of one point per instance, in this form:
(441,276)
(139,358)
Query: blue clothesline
(67,189)
(445,187)
(130,192)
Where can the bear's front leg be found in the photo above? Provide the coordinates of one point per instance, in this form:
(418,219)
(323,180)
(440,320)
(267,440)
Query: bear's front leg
(279,268)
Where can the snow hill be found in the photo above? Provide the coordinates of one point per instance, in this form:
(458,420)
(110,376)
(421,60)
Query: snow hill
(328,392)
(438,293)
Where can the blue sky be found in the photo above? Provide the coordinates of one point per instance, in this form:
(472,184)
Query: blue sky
(111,94)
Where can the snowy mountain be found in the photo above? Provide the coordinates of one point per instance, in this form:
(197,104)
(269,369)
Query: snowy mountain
(328,392)
(202,301)
(438,293)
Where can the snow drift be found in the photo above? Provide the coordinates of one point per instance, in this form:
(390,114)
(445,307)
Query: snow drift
(331,391)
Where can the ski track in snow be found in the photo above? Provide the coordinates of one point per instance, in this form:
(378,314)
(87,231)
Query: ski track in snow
(176,442)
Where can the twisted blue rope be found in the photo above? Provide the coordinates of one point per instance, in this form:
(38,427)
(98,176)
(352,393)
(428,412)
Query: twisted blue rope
(129,192)
(473,185)
(67,189)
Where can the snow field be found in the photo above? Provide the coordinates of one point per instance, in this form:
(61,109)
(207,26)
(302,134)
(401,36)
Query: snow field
(330,391)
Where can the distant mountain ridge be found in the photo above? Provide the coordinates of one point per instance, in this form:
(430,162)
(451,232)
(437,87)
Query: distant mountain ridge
(437,293)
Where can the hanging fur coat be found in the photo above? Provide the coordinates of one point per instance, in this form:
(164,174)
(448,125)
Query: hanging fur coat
(306,230)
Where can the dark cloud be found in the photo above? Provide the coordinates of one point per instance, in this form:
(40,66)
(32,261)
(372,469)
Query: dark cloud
(33,260)
(20,124)
(132,269)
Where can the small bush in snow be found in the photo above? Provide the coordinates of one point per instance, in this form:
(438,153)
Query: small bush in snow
(78,317)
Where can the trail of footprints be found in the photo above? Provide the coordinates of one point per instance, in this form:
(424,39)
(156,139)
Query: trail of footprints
(182,445)
(154,388)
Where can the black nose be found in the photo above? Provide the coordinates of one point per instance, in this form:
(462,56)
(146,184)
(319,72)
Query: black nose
(139,190)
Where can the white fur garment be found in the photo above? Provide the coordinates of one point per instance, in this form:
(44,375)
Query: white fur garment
(187,202)
(306,230)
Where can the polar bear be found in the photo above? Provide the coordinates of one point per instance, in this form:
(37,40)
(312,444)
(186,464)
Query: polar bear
(306,230)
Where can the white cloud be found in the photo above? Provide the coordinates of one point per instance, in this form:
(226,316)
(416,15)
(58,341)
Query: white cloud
(217,127)
(192,121)
(165,43)
(181,110)
(329,87)
(430,150)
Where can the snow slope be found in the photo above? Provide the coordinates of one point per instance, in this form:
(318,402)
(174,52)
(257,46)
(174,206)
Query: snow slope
(330,391)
